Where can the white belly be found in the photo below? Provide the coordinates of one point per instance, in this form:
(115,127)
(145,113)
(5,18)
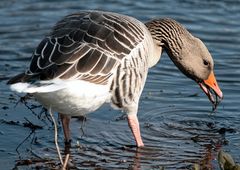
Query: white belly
(72,98)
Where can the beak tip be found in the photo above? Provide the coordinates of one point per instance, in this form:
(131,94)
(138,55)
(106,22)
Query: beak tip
(219,93)
(212,83)
(221,96)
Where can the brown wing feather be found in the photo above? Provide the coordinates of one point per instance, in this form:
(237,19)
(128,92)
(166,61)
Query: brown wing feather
(87,45)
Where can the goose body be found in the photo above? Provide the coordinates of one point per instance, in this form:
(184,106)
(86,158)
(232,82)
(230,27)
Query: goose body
(98,50)
(96,57)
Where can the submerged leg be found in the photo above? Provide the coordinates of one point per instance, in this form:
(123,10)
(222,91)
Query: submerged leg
(66,129)
(134,125)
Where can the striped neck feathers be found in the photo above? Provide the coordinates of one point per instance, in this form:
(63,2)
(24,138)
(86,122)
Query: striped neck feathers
(187,52)
(170,35)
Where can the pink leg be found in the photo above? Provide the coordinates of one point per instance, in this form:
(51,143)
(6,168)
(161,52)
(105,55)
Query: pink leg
(134,125)
(66,130)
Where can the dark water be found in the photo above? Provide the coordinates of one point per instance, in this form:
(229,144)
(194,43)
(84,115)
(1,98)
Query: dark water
(177,125)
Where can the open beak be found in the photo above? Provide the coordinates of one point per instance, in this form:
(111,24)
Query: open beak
(211,88)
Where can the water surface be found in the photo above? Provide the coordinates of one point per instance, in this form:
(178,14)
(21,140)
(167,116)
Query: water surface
(177,124)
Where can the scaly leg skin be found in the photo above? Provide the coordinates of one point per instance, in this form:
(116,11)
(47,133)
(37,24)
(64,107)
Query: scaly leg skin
(134,125)
(66,129)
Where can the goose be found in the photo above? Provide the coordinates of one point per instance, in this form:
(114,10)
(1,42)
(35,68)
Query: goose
(94,57)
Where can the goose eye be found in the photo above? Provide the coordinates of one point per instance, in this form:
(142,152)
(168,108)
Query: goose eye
(205,62)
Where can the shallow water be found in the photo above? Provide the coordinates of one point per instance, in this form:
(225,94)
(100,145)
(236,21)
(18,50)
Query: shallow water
(177,124)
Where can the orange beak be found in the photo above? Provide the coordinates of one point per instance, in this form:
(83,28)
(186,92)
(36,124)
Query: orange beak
(212,83)
(209,86)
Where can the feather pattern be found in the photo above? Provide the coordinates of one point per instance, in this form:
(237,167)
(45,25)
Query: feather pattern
(88,46)
(102,48)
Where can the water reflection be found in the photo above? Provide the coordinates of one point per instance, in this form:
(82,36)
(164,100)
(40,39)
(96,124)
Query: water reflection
(170,142)
(143,158)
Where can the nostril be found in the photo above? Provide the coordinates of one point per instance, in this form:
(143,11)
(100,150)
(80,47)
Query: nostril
(214,84)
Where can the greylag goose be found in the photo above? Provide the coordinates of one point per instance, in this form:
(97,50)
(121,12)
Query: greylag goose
(95,57)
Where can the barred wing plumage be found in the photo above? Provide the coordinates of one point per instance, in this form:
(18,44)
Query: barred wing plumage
(88,45)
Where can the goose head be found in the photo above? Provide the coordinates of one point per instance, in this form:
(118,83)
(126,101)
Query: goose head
(195,61)
(188,53)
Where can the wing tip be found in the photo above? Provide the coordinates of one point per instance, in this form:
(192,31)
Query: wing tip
(18,78)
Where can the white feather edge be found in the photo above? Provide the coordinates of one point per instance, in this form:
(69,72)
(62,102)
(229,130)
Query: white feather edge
(58,84)
(39,87)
